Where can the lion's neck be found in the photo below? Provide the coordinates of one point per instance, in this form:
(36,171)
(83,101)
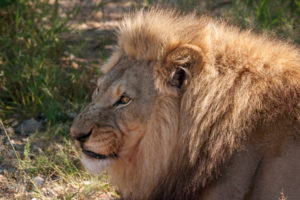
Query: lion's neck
(138,176)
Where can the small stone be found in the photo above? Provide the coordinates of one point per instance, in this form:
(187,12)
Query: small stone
(15,123)
(48,192)
(10,187)
(11,153)
(75,65)
(19,147)
(28,126)
(104,196)
(38,181)
(10,130)
(28,187)
(86,182)
(3,179)
(72,115)
(111,195)
(72,57)
(9,170)
(36,148)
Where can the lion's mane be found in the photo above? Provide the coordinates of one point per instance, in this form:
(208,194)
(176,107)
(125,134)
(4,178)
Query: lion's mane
(244,81)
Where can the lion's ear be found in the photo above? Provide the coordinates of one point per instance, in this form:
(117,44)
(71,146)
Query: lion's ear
(181,62)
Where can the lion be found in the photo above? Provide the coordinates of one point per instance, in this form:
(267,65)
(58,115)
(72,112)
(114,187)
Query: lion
(190,107)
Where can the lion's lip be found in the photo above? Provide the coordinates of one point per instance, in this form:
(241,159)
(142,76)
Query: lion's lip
(97,155)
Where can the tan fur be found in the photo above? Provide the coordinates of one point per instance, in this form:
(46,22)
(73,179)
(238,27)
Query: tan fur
(112,61)
(147,165)
(238,85)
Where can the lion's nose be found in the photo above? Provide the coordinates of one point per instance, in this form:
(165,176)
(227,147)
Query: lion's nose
(79,136)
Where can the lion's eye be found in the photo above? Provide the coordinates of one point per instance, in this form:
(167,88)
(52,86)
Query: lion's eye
(123,100)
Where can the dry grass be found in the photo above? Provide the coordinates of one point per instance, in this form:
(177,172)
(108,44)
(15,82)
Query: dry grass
(51,155)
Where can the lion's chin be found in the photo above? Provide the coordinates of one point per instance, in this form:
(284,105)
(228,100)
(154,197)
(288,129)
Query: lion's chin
(95,166)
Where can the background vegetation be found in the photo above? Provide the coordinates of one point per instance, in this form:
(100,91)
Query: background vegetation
(41,78)
(34,79)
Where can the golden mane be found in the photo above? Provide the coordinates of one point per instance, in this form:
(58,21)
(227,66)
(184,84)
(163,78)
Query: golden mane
(243,83)
(149,35)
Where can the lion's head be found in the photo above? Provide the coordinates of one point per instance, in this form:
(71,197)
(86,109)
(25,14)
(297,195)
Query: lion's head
(179,96)
(112,126)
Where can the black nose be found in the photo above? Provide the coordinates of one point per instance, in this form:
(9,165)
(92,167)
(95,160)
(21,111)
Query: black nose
(79,136)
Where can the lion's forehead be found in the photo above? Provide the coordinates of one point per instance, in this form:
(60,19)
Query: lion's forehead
(135,76)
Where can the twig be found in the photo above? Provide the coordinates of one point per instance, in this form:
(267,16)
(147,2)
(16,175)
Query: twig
(9,140)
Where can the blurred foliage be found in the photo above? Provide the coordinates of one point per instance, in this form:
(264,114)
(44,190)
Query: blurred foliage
(33,79)
(5,3)
(277,17)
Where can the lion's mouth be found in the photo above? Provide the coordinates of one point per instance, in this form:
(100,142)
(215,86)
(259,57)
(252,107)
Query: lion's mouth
(97,155)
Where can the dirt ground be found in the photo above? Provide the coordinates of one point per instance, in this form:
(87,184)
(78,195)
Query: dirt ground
(95,25)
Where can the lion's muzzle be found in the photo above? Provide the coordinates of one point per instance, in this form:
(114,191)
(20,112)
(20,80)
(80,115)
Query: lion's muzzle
(98,143)
(78,136)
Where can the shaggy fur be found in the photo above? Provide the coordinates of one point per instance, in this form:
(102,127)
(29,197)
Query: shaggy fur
(236,87)
(244,80)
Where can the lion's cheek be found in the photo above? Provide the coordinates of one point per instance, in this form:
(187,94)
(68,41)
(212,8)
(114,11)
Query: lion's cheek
(103,143)
(133,135)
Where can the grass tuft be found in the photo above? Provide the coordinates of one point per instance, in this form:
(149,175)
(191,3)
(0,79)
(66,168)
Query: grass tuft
(34,80)
(279,18)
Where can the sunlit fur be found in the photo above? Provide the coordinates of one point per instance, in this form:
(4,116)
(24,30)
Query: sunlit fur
(137,178)
(244,81)
(95,166)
